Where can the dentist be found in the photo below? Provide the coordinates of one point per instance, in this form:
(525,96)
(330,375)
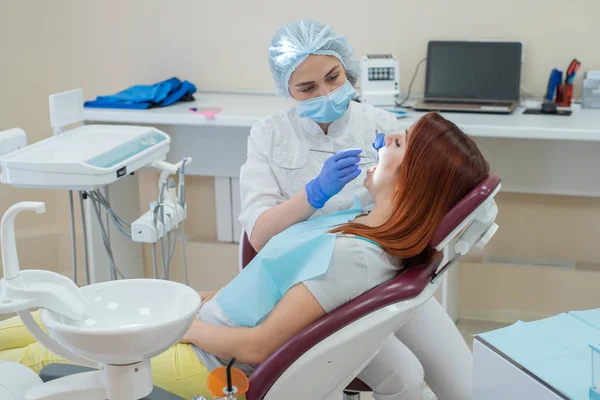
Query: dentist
(289,176)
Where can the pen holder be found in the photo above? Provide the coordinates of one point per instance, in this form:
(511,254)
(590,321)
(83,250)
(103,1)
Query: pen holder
(564,93)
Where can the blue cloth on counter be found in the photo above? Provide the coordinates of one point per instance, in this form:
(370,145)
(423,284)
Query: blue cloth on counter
(555,349)
(300,253)
(141,97)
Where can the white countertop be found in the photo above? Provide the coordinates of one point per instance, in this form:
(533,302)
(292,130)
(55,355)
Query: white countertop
(238,110)
(244,110)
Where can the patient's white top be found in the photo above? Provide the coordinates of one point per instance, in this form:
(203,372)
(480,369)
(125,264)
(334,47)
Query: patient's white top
(356,266)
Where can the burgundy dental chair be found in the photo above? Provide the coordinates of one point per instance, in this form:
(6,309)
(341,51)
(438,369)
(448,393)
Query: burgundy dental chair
(326,357)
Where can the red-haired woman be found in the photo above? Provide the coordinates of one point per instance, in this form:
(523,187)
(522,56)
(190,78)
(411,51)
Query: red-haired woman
(421,174)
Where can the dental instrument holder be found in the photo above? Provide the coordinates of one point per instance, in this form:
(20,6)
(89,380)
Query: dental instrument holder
(149,228)
(21,291)
(564,94)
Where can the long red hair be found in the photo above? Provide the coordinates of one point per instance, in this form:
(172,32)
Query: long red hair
(441,165)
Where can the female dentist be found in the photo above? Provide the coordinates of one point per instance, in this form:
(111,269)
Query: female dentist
(289,177)
(290,174)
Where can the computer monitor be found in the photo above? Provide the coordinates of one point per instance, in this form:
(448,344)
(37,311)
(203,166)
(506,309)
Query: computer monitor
(473,70)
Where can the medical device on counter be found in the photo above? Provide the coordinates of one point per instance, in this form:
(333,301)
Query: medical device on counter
(380,79)
(91,326)
(87,159)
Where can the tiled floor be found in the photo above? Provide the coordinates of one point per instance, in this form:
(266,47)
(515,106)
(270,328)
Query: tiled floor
(468,328)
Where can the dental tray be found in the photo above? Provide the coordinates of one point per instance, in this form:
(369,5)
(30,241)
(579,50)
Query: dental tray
(84,158)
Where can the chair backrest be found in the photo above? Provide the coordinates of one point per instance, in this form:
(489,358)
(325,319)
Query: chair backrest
(405,286)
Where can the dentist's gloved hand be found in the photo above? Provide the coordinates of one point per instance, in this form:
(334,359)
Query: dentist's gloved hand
(379,141)
(337,171)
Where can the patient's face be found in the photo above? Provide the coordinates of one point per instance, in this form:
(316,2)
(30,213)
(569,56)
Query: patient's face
(384,176)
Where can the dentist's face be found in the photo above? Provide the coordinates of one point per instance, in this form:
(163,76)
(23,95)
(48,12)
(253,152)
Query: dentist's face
(385,175)
(316,76)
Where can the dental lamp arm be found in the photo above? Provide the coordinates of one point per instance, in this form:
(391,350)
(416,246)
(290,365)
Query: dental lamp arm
(295,311)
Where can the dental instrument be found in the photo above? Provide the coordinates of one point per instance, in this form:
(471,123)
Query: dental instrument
(226,383)
(333,152)
(91,326)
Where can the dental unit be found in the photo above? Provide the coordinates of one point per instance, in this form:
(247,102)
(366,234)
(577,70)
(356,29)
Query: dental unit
(88,159)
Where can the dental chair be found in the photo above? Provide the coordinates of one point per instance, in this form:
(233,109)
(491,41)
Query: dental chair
(325,358)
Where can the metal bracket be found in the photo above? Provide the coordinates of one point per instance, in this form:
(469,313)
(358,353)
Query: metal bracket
(446,266)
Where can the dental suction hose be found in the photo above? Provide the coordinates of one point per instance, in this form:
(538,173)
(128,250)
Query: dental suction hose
(10,258)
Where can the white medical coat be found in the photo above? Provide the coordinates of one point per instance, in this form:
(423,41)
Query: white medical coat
(280,164)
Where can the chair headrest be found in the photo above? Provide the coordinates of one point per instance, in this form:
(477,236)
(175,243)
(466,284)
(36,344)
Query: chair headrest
(478,204)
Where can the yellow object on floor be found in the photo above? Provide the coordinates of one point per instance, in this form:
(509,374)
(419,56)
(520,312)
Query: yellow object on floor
(177,370)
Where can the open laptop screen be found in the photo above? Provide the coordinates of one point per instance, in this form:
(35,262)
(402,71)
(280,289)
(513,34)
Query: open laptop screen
(473,70)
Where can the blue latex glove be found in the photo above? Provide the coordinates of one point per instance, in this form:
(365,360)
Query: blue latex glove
(379,141)
(338,170)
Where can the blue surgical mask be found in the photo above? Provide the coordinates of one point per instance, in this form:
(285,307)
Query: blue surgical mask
(326,109)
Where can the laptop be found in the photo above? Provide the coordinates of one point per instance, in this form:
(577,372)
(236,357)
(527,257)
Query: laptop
(483,77)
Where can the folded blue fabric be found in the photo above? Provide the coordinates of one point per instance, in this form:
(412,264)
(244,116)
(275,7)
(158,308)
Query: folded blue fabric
(138,97)
(555,349)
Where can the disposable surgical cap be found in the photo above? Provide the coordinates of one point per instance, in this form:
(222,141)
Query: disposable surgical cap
(294,42)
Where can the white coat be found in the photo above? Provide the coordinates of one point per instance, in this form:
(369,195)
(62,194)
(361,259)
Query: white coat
(280,162)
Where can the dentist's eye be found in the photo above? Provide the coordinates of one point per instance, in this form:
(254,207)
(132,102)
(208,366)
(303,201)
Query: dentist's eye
(397,142)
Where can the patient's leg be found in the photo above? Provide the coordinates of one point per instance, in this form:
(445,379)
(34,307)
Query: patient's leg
(34,356)
(14,335)
(436,341)
(395,373)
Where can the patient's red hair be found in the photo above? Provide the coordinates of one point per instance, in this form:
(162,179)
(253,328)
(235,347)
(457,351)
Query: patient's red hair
(441,165)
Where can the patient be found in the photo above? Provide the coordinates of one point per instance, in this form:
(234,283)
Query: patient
(421,174)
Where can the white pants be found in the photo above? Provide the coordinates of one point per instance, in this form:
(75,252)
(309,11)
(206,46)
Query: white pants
(428,347)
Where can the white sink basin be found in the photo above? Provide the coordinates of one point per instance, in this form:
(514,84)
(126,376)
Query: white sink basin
(128,320)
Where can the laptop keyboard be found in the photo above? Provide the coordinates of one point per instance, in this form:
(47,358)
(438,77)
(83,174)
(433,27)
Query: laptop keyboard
(460,102)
